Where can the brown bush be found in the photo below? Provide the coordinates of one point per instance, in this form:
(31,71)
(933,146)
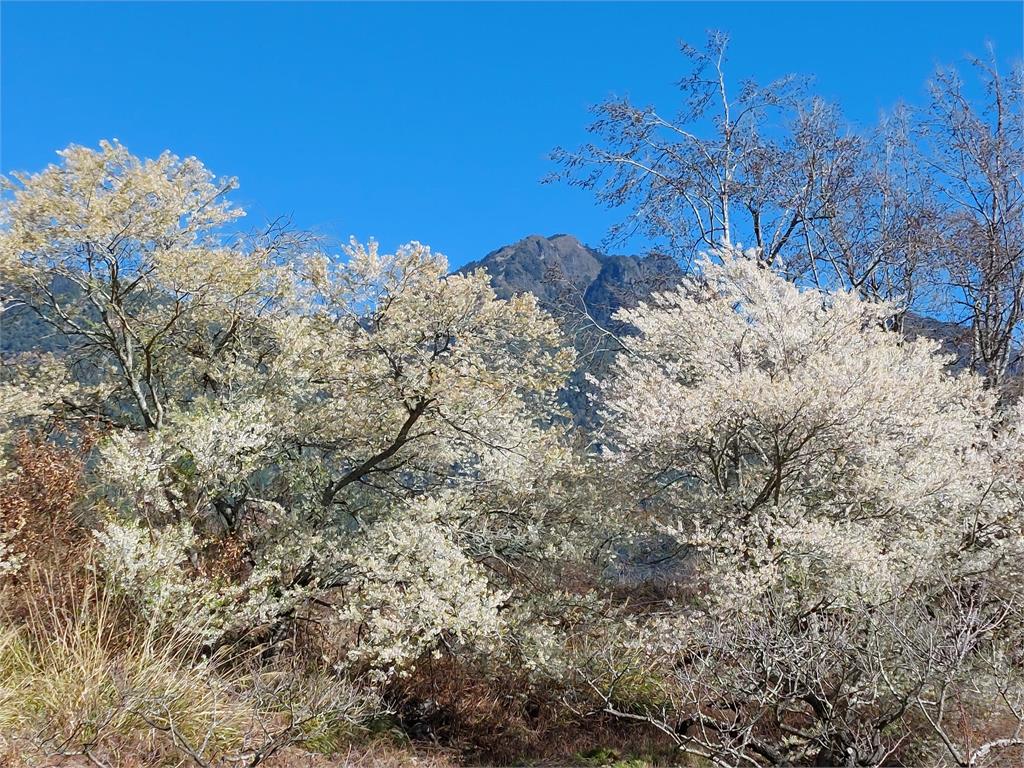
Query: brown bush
(498,717)
(39,500)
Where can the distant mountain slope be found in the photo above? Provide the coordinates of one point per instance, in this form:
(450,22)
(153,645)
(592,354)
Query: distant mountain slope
(565,275)
(534,263)
(579,286)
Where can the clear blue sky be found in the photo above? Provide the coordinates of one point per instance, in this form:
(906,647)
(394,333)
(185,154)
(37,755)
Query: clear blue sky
(430,121)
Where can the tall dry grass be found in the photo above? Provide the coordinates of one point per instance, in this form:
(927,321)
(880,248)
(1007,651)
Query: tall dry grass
(86,679)
(83,678)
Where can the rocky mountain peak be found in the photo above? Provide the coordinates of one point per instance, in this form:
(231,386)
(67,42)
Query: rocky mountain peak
(554,266)
(541,265)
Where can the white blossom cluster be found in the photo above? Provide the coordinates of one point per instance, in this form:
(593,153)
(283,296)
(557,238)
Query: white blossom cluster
(792,440)
(853,513)
(414,585)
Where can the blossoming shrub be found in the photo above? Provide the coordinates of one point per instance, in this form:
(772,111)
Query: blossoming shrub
(853,515)
(371,439)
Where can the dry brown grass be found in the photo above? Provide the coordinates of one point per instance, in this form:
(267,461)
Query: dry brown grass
(84,681)
(373,755)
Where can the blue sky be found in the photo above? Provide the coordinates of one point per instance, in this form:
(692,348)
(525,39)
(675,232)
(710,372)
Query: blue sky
(429,121)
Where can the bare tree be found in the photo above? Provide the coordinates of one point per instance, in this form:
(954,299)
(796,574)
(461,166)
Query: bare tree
(923,211)
(975,153)
(879,236)
(755,165)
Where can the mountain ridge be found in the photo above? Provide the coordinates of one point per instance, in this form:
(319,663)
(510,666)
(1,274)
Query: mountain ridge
(582,288)
(565,275)
(560,268)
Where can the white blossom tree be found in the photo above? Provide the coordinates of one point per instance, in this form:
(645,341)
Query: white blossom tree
(848,509)
(287,426)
